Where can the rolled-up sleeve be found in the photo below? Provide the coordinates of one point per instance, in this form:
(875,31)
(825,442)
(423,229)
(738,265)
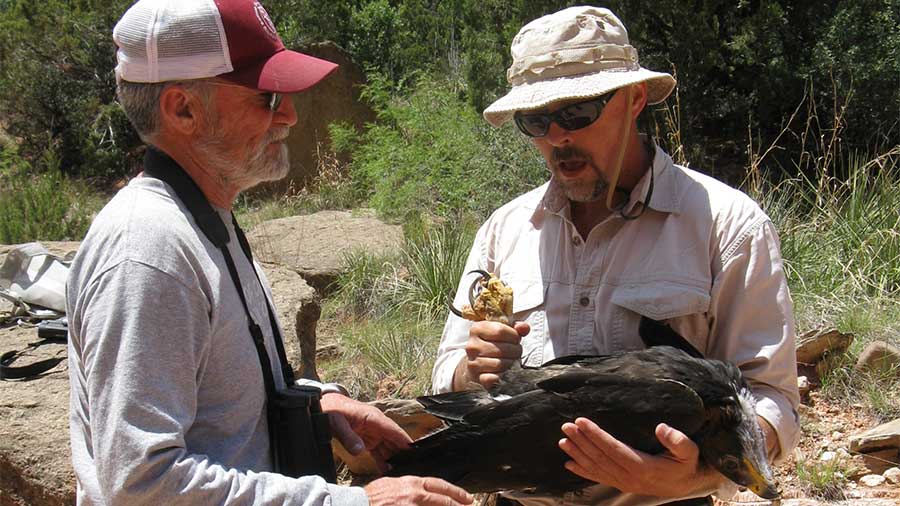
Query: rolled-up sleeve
(753,326)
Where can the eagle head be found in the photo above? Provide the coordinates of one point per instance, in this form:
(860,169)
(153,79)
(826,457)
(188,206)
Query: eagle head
(735,445)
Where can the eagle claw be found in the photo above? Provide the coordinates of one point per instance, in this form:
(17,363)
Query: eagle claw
(489,299)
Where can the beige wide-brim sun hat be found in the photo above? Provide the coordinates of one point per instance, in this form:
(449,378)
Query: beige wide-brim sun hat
(579,52)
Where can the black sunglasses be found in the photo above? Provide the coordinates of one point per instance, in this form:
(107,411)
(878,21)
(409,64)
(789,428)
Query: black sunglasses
(272,99)
(571,117)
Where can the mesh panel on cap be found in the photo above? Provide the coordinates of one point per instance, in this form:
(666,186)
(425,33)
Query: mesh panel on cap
(166,40)
(190,41)
(131,33)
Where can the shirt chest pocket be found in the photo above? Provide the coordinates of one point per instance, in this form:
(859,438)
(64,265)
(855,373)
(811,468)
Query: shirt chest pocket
(684,307)
(528,306)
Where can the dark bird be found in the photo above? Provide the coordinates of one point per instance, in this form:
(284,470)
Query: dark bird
(506,439)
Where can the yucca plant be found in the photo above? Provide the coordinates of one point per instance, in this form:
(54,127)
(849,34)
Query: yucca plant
(433,258)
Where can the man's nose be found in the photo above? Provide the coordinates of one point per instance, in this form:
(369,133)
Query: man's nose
(286,114)
(557,135)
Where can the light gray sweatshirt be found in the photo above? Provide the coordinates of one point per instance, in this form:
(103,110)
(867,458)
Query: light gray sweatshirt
(167,394)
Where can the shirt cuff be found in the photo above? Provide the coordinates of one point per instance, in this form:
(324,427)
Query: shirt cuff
(782,418)
(326,388)
(348,496)
(442,379)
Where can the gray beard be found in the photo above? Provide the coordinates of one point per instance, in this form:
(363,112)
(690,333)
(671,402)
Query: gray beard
(581,193)
(246,174)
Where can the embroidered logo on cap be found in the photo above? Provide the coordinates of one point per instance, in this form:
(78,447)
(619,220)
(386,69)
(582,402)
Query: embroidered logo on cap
(265,21)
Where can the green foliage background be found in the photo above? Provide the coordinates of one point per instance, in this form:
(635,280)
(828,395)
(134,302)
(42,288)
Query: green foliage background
(743,67)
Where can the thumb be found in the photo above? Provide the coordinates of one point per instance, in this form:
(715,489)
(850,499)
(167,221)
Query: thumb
(342,431)
(679,446)
(522,328)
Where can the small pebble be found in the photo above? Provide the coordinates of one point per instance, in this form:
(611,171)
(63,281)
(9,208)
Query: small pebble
(872,480)
(892,475)
(827,456)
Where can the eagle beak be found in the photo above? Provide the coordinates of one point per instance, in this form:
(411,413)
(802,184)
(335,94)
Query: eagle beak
(759,483)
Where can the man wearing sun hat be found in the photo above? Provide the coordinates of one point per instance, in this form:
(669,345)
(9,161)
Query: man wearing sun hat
(620,232)
(175,355)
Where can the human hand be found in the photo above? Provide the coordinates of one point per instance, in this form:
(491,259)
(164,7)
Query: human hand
(413,490)
(360,426)
(492,348)
(599,457)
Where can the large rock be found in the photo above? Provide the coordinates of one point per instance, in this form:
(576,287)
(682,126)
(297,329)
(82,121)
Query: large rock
(884,436)
(62,249)
(35,467)
(314,245)
(880,357)
(815,344)
(298,308)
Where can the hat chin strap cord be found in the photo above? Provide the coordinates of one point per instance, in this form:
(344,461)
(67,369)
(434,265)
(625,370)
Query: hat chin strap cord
(620,157)
(623,143)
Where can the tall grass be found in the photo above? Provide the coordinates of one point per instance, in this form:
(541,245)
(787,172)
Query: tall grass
(839,226)
(392,308)
(389,356)
(330,189)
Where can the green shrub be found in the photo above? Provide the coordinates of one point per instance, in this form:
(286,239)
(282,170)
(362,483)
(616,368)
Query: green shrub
(43,207)
(430,153)
(57,85)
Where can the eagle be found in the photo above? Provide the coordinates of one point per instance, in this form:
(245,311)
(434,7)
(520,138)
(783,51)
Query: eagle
(506,438)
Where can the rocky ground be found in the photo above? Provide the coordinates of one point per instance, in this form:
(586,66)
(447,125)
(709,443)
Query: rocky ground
(35,465)
(827,432)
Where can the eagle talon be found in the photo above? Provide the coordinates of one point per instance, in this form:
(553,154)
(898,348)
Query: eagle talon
(453,309)
(489,299)
(478,285)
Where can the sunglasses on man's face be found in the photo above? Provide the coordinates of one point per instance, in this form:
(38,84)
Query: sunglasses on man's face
(571,117)
(272,99)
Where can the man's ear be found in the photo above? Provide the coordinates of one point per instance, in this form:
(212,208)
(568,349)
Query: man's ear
(638,99)
(180,111)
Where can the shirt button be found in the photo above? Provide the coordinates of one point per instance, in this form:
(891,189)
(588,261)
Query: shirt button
(584,301)
(576,240)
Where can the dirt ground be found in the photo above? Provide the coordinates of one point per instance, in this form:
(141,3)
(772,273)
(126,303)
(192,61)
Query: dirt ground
(829,427)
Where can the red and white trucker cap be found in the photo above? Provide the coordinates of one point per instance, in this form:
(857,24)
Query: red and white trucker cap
(172,40)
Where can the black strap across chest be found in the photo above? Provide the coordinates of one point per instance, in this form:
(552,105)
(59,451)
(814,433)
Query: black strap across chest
(160,166)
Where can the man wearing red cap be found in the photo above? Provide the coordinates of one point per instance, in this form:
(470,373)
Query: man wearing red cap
(177,369)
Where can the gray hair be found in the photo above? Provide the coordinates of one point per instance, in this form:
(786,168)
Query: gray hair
(141,102)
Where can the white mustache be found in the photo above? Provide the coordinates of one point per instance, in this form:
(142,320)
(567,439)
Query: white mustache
(277,134)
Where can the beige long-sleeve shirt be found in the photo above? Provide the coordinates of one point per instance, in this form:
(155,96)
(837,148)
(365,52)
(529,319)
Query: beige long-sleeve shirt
(703,257)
